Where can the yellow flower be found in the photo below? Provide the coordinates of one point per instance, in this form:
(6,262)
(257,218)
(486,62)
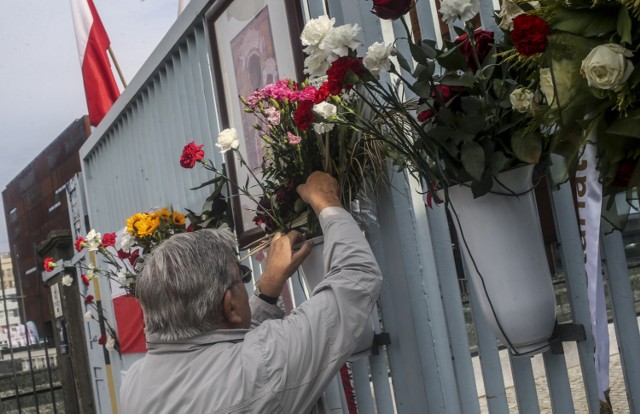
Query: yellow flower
(178,219)
(164,214)
(147,226)
(131,222)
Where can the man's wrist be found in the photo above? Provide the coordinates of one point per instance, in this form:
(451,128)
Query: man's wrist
(271,300)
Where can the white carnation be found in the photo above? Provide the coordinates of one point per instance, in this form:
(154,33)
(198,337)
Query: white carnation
(322,127)
(227,140)
(127,241)
(377,58)
(110,343)
(340,40)
(88,316)
(93,240)
(508,11)
(315,30)
(464,9)
(67,280)
(316,64)
(606,66)
(325,110)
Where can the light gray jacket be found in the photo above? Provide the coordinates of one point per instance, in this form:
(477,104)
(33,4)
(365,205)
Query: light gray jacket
(282,365)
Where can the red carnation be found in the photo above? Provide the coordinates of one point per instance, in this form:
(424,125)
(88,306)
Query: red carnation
(109,239)
(424,115)
(133,257)
(102,340)
(391,9)
(304,115)
(88,299)
(49,264)
(79,243)
(529,34)
(484,43)
(338,74)
(191,154)
(85,279)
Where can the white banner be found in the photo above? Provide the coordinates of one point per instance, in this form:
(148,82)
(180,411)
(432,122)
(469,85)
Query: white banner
(589,195)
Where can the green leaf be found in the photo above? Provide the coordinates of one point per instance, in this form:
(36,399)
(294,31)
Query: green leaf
(527,146)
(585,22)
(441,133)
(472,125)
(498,162)
(419,54)
(452,59)
(624,25)
(459,30)
(403,62)
(482,186)
(422,89)
(424,72)
(471,105)
(473,159)
(466,79)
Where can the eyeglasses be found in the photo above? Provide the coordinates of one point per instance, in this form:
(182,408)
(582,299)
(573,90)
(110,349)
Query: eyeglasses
(245,273)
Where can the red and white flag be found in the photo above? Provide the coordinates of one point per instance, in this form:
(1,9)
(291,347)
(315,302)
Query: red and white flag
(99,84)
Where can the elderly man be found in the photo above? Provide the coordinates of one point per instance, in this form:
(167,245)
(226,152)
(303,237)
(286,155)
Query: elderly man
(203,358)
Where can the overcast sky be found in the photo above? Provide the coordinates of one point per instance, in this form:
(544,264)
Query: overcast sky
(41,90)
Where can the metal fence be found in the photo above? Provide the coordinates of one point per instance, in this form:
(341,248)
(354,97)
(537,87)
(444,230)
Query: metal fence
(130,164)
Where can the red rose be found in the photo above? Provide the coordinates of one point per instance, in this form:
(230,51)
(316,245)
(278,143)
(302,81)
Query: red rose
(391,9)
(122,254)
(304,115)
(102,340)
(49,264)
(191,154)
(109,239)
(79,243)
(85,279)
(484,43)
(424,115)
(88,299)
(529,34)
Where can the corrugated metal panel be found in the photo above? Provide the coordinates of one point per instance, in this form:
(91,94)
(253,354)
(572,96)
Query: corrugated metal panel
(131,164)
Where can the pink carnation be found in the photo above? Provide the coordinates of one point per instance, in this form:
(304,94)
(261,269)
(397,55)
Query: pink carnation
(293,139)
(307,94)
(278,91)
(255,97)
(273,115)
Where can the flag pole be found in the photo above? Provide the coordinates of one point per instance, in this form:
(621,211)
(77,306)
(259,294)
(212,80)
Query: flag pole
(115,62)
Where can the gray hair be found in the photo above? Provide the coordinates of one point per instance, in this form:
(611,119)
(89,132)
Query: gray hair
(183,281)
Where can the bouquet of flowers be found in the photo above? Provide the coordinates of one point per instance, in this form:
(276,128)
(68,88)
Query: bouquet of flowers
(453,117)
(581,60)
(305,127)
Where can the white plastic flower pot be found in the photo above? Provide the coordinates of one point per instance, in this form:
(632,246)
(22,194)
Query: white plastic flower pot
(501,243)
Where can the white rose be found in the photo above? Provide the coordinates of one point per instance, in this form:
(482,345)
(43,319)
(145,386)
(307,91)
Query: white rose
(67,280)
(606,66)
(88,316)
(315,30)
(377,58)
(452,9)
(508,11)
(110,343)
(325,110)
(521,99)
(93,240)
(127,241)
(227,140)
(339,40)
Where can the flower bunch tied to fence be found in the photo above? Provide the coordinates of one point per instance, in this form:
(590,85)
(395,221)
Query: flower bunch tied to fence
(118,260)
(308,126)
(582,69)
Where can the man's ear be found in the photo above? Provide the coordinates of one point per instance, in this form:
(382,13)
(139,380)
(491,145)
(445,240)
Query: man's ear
(230,308)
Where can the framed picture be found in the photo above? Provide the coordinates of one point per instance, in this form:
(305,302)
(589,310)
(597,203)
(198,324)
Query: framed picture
(253,43)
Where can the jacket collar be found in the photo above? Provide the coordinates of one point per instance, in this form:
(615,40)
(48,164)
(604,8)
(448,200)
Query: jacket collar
(196,342)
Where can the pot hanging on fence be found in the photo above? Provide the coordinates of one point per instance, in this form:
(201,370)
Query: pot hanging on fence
(501,242)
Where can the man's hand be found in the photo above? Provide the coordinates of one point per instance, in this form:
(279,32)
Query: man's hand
(320,191)
(282,261)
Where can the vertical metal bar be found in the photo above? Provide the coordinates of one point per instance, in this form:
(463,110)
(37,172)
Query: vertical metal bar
(362,386)
(6,316)
(33,377)
(491,367)
(525,385)
(453,309)
(624,315)
(558,383)
(575,275)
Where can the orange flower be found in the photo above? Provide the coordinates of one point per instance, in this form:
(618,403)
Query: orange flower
(164,214)
(178,219)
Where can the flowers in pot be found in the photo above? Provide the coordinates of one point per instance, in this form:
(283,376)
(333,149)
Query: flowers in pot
(587,72)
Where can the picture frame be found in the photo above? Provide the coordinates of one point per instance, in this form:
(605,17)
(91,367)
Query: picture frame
(253,43)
